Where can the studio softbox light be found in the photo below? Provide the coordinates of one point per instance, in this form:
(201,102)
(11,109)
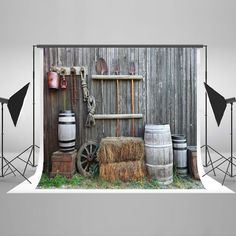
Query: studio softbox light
(218,103)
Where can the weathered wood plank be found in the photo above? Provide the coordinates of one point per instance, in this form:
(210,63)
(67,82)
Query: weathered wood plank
(124,64)
(117,116)
(119,77)
(142,89)
(148,88)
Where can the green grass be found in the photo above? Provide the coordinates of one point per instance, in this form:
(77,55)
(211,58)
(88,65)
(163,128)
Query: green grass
(59,181)
(82,182)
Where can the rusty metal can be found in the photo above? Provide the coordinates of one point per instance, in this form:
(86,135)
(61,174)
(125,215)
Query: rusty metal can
(53,80)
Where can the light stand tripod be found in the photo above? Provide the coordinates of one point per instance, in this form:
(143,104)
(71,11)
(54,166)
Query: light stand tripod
(14,105)
(219,104)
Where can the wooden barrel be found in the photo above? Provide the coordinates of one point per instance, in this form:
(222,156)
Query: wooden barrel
(159,152)
(66,131)
(180,154)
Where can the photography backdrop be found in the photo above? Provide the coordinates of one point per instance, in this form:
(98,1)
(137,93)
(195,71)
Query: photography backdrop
(26,22)
(166,95)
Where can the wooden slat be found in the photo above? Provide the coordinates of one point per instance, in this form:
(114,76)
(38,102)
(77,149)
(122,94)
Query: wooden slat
(117,116)
(142,89)
(119,77)
(117,107)
(132,106)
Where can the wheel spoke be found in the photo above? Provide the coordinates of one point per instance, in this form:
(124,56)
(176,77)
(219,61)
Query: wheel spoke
(83,162)
(94,150)
(86,150)
(91,148)
(86,167)
(83,155)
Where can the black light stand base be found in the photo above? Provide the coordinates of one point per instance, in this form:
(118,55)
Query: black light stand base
(207,147)
(224,159)
(28,162)
(226,173)
(12,169)
(230,160)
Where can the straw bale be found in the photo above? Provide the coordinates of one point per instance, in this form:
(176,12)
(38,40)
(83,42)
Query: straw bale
(124,171)
(119,149)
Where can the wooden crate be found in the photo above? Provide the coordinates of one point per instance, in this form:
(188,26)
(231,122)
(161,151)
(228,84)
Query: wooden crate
(63,163)
(192,162)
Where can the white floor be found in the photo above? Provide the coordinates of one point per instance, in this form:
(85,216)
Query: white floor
(229,182)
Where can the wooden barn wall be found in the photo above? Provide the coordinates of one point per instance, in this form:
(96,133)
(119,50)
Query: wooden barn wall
(167,94)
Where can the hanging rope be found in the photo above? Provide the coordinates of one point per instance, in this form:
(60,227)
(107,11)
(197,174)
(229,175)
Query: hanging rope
(83,83)
(91,104)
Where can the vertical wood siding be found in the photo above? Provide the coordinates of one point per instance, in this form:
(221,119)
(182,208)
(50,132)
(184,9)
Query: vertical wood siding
(167,94)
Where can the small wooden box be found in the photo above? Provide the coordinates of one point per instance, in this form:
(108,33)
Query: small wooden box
(63,163)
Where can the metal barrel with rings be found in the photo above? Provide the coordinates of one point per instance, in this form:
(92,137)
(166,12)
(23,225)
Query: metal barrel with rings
(180,154)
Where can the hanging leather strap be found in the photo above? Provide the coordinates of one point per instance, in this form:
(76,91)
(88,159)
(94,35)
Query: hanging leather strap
(73,88)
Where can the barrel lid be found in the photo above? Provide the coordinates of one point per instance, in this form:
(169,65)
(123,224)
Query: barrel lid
(157,127)
(192,148)
(66,112)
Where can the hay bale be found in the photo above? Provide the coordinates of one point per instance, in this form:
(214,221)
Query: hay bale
(119,149)
(124,171)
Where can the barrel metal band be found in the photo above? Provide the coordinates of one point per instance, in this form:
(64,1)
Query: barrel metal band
(159,146)
(159,131)
(69,147)
(66,123)
(64,115)
(179,141)
(180,149)
(181,168)
(178,137)
(67,141)
(168,165)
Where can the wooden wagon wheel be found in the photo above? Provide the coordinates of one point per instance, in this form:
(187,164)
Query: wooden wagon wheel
(86,156)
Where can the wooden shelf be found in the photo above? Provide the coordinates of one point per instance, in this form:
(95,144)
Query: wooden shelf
(117,77)
(68,69)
